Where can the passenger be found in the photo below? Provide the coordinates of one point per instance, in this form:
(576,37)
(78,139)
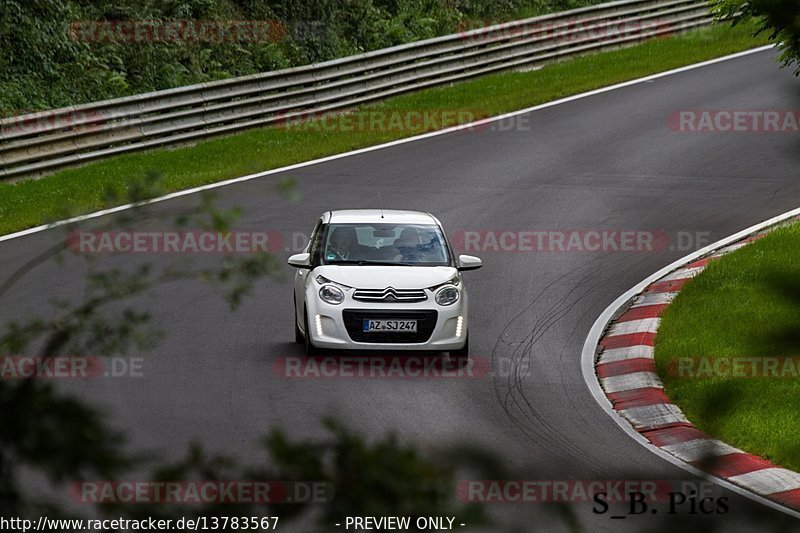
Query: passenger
(407,246)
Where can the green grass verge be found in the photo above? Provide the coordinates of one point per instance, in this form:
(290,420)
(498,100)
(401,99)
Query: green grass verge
(81,190)
(746,304)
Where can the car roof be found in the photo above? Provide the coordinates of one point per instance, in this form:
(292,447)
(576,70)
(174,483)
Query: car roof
(387,216)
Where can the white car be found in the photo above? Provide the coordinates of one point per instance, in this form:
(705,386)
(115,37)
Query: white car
(381,279)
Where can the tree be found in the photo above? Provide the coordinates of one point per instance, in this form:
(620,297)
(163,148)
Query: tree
(781,18)
(43,429)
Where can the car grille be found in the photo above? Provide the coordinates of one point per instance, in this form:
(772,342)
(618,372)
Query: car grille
(390,294)
(354,321)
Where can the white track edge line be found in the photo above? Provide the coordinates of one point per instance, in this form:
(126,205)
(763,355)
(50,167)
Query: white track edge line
(396,142)
(592,340)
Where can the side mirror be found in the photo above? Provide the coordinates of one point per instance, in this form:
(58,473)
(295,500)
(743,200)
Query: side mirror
(300,261)
(468,262)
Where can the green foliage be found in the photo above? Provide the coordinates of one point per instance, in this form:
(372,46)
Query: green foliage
(778,18)
(49,432)
(49,57)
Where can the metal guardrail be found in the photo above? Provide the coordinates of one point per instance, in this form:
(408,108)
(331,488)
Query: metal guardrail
(41,142)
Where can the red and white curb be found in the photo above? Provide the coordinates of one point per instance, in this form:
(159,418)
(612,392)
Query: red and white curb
(619,367)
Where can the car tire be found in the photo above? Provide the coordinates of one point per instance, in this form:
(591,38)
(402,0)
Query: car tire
(310,348)
(461,353)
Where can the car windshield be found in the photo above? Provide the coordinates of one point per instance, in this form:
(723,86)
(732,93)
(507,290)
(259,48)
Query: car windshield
(385,244)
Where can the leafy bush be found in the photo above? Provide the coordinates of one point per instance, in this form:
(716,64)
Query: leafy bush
(47,60)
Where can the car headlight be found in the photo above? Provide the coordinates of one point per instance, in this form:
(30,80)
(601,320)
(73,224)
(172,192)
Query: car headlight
(447,295)
(331,294)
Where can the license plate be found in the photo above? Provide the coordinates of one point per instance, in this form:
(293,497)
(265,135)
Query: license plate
(404,326)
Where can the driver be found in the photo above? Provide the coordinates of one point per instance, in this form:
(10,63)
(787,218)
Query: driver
(343,244)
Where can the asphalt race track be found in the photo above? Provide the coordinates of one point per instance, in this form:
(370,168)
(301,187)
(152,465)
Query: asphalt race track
(606,162)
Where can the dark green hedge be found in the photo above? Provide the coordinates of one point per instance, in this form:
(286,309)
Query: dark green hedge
(44,65)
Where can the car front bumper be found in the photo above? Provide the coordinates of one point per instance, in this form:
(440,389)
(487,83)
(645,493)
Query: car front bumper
(339,326)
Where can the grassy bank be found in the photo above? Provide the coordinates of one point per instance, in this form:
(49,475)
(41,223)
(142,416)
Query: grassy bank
(81,190)
(744,305)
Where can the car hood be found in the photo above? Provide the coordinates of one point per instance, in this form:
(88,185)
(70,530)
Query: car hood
(380,277)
